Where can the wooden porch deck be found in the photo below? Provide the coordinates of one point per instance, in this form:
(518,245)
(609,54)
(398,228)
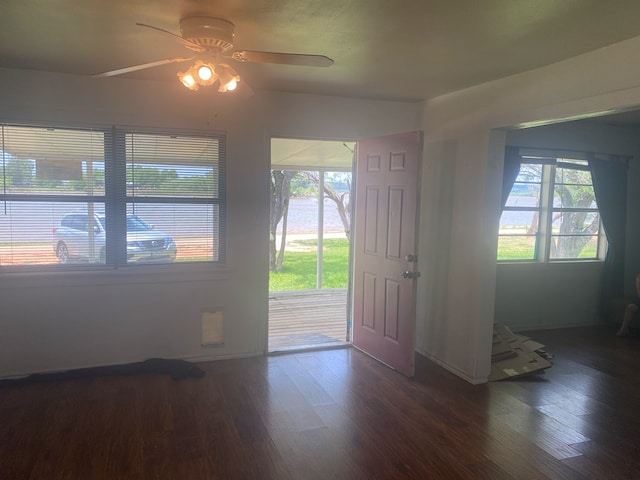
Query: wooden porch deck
(307,318)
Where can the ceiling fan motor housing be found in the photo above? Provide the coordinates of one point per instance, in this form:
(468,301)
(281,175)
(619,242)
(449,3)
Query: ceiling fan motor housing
(208,32)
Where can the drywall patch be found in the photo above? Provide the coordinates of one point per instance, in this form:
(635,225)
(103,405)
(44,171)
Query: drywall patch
(212,328)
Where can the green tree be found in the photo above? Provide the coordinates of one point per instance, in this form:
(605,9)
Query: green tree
(78,185)
(341,198)
(280,194)
(20,172)
(301,186)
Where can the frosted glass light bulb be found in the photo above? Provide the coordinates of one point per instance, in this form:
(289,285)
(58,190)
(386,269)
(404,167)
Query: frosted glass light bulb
(205,73)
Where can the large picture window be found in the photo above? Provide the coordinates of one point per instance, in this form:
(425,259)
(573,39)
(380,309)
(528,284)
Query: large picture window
(110,197)
(551,213)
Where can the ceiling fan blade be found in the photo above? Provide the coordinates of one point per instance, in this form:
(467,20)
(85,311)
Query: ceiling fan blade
(282,58)
(135,68)
(191,45)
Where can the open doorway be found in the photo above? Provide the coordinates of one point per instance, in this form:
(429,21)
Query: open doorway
(309,245)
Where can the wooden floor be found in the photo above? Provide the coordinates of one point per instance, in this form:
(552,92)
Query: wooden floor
(309,318)
(336,414)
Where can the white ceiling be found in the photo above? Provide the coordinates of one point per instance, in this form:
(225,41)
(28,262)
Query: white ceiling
(400,49)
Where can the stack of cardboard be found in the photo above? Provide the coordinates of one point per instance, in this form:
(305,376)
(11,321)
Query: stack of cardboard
(515,355)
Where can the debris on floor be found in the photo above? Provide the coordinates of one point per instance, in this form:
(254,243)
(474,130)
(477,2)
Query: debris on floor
(514,355)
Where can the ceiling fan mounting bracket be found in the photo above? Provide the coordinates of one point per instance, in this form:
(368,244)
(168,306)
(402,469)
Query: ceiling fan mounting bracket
(208,32)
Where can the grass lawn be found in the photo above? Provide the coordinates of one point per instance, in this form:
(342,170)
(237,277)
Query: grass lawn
(524,247)
(516,248)
(299,267)
(299,270)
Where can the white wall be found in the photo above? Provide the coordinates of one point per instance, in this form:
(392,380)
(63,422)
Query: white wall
(464,151)
(49,324)
(52,322)
(556,295)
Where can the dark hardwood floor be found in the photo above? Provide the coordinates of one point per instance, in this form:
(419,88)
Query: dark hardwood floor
(336,414)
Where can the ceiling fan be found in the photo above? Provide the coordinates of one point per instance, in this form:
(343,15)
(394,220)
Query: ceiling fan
(211,40)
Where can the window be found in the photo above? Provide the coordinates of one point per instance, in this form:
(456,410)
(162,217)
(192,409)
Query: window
(111,197)
(520,220)
(175,184)
(551,213)
(574,217)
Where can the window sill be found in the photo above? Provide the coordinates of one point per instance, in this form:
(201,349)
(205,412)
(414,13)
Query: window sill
(100,275)
(553,262)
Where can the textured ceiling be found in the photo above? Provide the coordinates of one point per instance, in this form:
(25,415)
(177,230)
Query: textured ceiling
(402,49)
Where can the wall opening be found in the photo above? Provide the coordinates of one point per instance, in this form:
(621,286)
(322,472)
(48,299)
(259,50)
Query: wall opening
(310,228)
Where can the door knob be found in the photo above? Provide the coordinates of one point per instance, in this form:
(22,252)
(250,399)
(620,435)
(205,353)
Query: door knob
(410,275)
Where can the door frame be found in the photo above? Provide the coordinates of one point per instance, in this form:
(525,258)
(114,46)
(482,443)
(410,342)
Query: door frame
(322,169)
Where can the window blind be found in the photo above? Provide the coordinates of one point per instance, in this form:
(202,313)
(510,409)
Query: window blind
(110,196)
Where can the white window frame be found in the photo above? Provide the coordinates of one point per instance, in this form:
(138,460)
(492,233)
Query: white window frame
(115,198)
(546,210)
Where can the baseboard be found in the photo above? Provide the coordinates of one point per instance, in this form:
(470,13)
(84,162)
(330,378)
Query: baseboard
(453,369)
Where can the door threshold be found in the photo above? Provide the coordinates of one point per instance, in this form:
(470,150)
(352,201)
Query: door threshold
(309,348)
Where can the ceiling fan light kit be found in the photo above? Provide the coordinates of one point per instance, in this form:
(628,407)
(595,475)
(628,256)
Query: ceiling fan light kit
(211,39)
(205,73)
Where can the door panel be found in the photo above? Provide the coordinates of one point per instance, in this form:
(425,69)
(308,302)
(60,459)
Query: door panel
(385,233)
(368,316)
(392,301)
(394,231)
(371,221)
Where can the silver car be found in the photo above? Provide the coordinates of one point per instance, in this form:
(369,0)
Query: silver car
(71,240)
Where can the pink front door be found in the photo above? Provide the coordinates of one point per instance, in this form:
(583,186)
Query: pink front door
(384,285)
